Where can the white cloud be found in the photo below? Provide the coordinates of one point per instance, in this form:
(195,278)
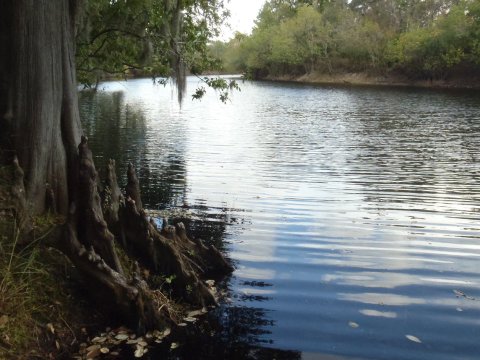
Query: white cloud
(243,15)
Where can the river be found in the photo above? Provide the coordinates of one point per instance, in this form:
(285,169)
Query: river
(351,213)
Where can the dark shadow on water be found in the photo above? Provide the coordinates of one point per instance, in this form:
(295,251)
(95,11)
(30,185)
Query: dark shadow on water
(119,131)
(229,333)
(212,225)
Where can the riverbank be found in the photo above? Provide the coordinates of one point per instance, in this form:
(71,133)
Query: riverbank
(44,314)
(47,310)
(459,81)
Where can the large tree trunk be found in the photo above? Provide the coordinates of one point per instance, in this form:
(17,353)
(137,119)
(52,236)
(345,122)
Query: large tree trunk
(38,95)
(40,126)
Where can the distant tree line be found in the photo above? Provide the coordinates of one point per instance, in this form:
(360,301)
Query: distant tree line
(420,39)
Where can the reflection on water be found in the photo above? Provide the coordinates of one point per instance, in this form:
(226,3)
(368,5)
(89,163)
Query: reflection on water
(337,205)
(118,130)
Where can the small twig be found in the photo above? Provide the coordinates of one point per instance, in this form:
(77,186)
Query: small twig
(68,326)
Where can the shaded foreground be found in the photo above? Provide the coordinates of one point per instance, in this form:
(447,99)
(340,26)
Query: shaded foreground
(125,261)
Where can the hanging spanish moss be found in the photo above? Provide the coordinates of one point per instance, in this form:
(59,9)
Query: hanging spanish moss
(178,64)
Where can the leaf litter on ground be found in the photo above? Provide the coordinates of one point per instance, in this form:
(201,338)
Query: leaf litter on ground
(109,341)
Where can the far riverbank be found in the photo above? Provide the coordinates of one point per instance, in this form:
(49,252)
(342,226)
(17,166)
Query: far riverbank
(458,82)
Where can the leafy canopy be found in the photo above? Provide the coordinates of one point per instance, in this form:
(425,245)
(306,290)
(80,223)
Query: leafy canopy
(158,38)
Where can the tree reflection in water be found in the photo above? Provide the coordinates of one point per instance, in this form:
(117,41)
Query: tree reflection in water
(229,333)
(120,131)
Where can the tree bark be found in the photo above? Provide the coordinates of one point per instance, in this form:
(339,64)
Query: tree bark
(40,126)
(133,188)
(39,108)
(91,227)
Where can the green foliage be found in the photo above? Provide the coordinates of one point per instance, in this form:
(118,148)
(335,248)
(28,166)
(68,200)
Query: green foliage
(234,56)
(164,39)
(303,39)
(223,86)
(405,50)
(420,38)
(433,51)
(472,15)
(402,15)
(199,93)
(169,279)
(157,38)
(17,297)
(33,296)
(39,317)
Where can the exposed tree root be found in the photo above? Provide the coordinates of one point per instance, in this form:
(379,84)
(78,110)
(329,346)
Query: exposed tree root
(165,252)
(91,226)
(161,256)
(17,203)
(89,238)
(131,299)
(132,189)
(112,200)
(210,260)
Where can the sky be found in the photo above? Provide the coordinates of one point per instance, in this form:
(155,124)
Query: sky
(243,14)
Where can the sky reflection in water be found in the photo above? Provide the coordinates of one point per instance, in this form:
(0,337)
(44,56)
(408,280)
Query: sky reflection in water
(338,205)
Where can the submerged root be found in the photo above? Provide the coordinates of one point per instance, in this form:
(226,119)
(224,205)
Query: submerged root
(163,256)
(95,224)
(132,299)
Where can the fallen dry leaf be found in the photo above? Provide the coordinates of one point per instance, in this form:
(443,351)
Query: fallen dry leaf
(3,320)
(51,328)
(122,337)
(353,325)
(139,353)
(93,354)
(93,347)
(195,313)
(99,339)
(413,338)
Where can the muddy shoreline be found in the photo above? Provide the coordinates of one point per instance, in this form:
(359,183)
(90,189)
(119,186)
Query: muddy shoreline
(360,78)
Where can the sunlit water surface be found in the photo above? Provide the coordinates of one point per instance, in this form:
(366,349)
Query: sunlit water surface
(351,214)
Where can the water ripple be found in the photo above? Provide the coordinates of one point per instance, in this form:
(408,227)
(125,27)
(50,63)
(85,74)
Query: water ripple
(355,205)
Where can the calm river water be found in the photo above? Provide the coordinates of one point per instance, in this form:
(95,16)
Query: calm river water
(352,214)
